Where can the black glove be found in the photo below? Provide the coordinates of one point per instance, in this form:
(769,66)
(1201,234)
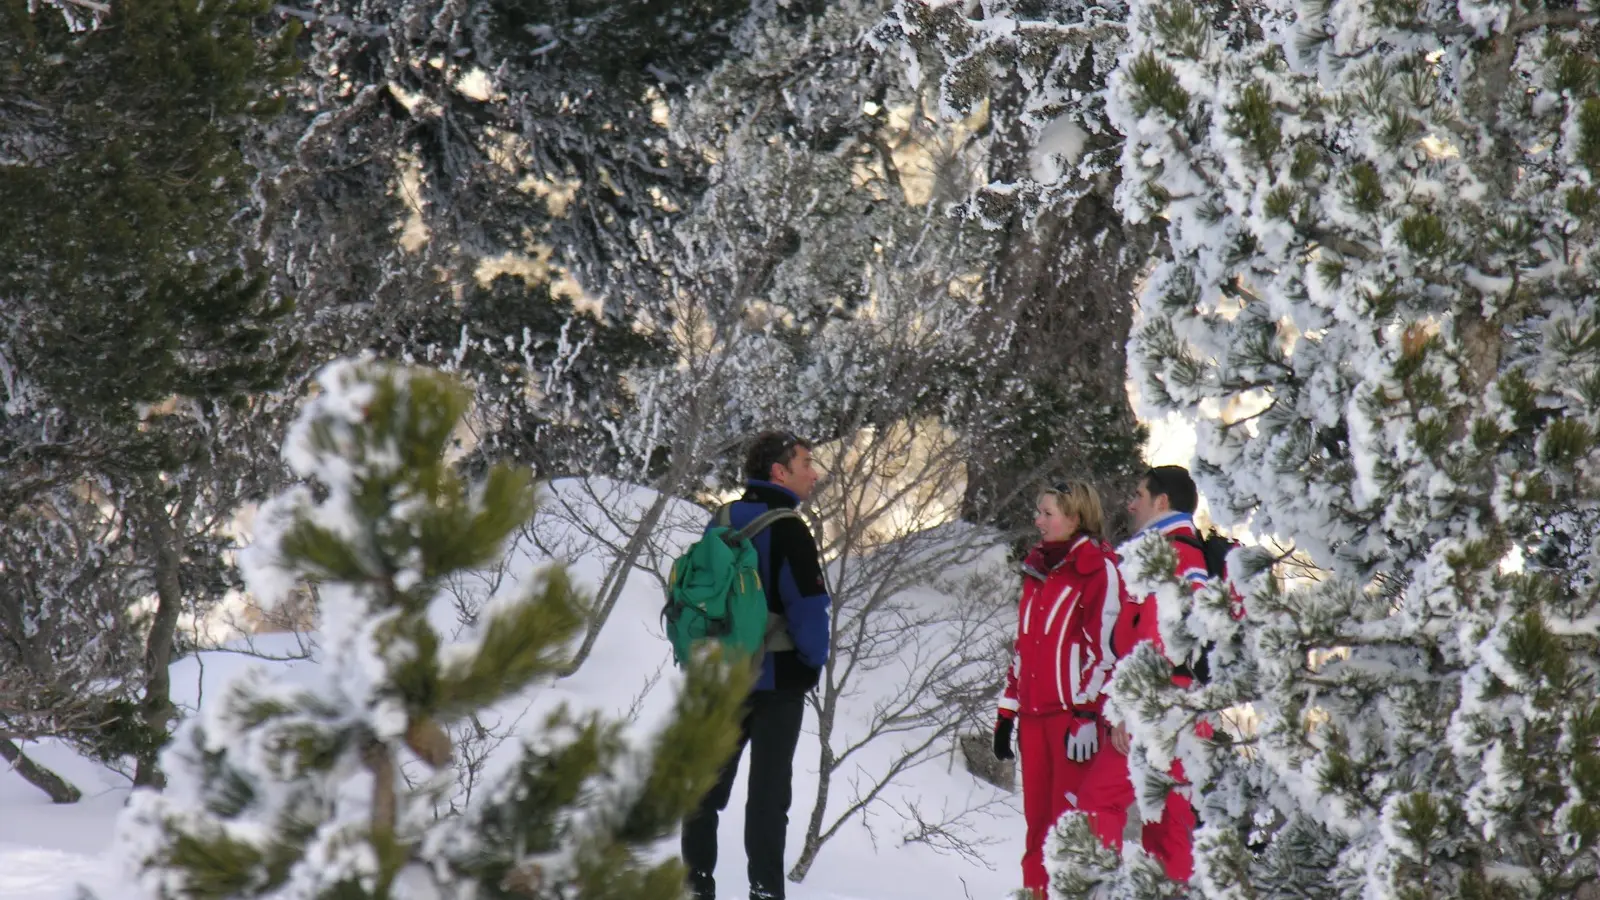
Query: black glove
(1002,737)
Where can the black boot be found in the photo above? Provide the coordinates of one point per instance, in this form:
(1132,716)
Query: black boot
(702,885)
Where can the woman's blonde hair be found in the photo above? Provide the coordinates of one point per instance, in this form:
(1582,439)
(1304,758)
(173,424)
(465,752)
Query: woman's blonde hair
(1074,498)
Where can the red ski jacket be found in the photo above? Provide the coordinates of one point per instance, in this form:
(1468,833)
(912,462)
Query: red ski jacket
(1063,655)
(1139,621)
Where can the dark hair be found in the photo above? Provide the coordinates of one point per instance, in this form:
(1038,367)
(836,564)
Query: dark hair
(768,449)
(1175,483)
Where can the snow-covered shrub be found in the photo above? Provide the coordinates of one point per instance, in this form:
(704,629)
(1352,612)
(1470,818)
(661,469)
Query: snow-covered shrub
(1381,304)
(294,788)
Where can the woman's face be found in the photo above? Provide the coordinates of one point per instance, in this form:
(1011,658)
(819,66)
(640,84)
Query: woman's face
(1052,525)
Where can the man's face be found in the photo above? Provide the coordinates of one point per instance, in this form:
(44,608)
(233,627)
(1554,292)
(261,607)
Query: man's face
(799,476)
(1146,509)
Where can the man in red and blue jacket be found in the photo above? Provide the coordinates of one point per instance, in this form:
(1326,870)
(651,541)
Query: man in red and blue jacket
(1164,504)
(780,476)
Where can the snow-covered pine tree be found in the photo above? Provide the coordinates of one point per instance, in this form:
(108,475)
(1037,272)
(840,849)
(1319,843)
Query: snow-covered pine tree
(120,180)
(824,213)
(433,143)
(822,285)
(292,789)
(1228,780)
(803,277)
(1024,80)
(135,325)
(1382,305)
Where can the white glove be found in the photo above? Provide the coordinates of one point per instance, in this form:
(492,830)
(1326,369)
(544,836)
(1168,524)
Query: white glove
(1083,739)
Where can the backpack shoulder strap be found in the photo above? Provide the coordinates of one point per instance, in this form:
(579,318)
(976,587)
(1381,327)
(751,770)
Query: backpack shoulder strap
(724,516)
(1194,542)
(762,523)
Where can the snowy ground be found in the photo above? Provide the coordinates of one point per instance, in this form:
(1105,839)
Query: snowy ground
(47,852)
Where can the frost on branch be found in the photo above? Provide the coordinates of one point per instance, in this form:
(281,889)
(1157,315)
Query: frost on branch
(311,788)
(1378,301)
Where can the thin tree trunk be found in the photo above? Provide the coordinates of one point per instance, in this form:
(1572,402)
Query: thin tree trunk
(814,841)
(825,765)
(57,788)
(616,579)
(155,708)
(385,805)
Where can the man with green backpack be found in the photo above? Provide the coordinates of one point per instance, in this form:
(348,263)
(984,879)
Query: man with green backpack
(754,583)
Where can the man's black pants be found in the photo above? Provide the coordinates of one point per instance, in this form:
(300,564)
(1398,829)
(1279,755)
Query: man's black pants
(772,729)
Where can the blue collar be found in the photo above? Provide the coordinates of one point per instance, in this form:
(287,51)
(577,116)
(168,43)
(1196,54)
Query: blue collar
(769,486)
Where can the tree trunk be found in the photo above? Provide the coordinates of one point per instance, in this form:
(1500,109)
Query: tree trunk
(1074,314)
(155,708)
(57,788)
(813,841)
(1064,276)
(813,844)
(385,805)
(617,578)
(620,571)
(825,766)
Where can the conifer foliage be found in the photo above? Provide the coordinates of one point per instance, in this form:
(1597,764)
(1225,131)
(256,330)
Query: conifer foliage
(138,335)
(327,787)
(1028,78)
(121,275)
(1381,297)
(504,132)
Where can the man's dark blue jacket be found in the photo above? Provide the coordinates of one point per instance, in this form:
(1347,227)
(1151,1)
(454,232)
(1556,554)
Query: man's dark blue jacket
(791,572)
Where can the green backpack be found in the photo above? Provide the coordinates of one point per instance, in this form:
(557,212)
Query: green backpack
(715,592)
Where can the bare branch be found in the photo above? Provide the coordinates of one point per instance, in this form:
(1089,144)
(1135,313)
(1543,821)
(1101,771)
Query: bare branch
(343,24)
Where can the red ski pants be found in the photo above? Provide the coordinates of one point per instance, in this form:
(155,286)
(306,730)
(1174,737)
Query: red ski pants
(1108,793)
(1050,781)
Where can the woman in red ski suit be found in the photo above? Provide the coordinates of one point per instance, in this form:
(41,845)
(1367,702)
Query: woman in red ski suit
(1071,597)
